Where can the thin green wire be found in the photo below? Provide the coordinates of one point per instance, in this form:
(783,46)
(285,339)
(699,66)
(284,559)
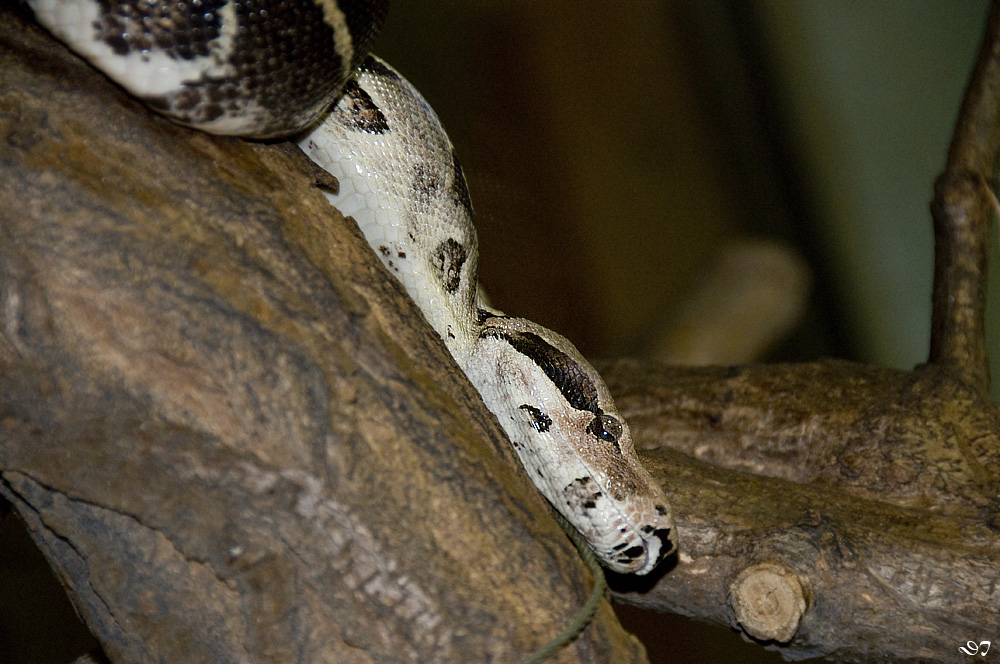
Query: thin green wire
(586,613)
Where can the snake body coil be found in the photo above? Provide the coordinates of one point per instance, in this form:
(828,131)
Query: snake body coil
(265,69)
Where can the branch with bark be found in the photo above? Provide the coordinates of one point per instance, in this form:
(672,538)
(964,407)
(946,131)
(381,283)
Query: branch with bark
(235,439)
(224,423)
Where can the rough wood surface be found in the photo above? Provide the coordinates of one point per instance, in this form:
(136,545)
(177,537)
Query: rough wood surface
(225,425)
(871,496)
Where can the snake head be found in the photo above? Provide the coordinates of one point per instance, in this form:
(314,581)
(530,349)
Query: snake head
(577,448)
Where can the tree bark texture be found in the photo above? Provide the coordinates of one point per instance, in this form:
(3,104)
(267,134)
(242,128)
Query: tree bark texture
(225,425)
(864,502)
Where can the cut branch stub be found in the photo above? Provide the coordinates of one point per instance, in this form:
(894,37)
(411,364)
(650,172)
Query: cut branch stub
(769,600)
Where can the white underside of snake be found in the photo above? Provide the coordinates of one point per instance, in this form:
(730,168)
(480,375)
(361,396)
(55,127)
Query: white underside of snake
(215,69)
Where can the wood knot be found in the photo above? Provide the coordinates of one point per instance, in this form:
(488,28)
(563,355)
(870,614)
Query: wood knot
(769,600)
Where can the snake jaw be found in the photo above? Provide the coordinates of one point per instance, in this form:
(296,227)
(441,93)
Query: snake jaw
(623,512)
(629,537)
(644,519)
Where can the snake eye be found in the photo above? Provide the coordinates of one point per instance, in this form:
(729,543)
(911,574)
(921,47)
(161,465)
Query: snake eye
(606,428)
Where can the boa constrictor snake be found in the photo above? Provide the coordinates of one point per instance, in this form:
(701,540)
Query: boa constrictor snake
(267,68)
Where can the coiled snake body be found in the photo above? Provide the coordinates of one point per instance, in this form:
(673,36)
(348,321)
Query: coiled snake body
(264,69)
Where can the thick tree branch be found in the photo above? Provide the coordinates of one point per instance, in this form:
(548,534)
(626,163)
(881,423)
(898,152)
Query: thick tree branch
(962,208)
(870,496)
(224,423)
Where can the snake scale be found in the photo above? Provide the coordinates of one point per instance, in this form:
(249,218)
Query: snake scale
(267,68)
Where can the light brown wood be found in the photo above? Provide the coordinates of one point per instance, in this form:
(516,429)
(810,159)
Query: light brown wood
(225,425)
(876,489)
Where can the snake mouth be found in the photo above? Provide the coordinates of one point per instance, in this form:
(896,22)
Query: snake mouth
(623,543)
(667,544)
(644,550)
